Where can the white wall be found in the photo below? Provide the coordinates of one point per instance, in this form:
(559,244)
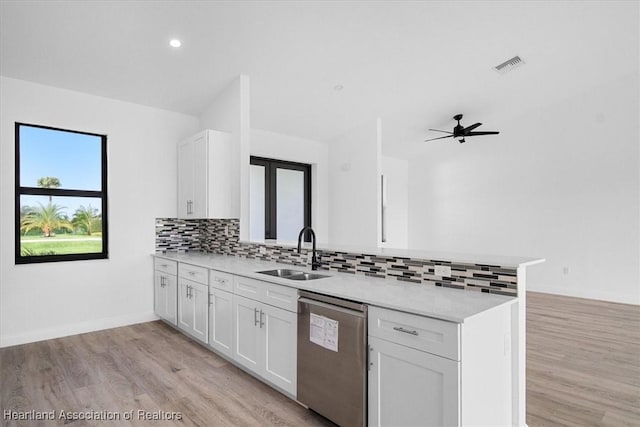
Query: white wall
(230,112)
(354,187)
(41,301)
(396,174)
(559,182)
(294,149)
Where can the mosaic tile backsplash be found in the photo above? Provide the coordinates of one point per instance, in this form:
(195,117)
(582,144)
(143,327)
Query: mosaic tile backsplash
(221,236)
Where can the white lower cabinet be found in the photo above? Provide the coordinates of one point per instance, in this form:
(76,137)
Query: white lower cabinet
(165,294)
(431,372)
(408,387)
(246,317)
(265,341)
(193,309)
(280,347)
(221,321)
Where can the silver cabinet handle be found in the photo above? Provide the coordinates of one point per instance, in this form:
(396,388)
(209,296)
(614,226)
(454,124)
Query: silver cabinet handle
(406,331)
(261,321)
(164,265)
(210,302)
(191,273)
(219,280)
(255,317)
(163,281)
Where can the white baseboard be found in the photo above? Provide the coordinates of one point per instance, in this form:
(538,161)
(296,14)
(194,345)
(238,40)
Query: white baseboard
(76,328)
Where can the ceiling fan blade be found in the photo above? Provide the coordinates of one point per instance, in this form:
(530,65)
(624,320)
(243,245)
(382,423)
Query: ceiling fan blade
(472,127)
(443,131)
(491,132)
(442,137)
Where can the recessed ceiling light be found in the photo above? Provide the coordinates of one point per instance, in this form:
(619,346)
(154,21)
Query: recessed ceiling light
(338,88)
(175,43)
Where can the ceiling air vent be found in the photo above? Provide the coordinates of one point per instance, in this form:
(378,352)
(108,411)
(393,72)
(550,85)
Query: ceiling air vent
(509,65)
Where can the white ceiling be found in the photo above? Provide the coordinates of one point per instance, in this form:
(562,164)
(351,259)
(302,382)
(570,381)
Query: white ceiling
(414,64)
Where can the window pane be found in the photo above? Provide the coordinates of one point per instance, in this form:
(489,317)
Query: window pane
(60,225)
(290,203)
(256,203)
(73,158)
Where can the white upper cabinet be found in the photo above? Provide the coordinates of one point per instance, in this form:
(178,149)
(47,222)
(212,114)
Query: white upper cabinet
(205,176)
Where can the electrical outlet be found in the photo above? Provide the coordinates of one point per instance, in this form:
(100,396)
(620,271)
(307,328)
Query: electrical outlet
(263,250)
(442,270)
(565,270)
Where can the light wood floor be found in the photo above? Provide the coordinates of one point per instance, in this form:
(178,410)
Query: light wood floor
(149,366)
(583,369)
(583,362)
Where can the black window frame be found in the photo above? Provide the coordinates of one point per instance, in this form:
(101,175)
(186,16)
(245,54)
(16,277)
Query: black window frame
(271,195)
(38,191)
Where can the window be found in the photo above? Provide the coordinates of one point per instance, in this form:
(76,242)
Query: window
(61,195)
(280,194)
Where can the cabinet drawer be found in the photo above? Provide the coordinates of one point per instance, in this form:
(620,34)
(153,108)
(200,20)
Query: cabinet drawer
(165,265)
(281,296)
(249,288)
(193,273)
(435,336)
(220,280)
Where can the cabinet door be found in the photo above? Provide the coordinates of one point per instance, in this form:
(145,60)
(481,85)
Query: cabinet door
(200,301)
(159,294)
(199,167)
(185,306)
(223,195)
(280,347)
(247,347)
(185,179)
(408,387)
(221,321)
(170,289)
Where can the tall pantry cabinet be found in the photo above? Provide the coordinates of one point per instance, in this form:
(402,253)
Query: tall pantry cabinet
(205,176)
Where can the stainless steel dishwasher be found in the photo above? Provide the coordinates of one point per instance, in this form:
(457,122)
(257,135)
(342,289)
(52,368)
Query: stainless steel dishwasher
(332,358)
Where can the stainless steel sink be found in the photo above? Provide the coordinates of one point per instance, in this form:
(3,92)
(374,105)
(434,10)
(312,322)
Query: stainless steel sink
(305,276)
(281,272)
(292,274)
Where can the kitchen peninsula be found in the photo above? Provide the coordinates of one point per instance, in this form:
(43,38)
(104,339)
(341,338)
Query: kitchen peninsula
(462,338)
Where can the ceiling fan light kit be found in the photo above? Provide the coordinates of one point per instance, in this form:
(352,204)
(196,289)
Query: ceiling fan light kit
(462,132)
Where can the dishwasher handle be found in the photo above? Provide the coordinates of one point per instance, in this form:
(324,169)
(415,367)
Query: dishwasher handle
(348,311)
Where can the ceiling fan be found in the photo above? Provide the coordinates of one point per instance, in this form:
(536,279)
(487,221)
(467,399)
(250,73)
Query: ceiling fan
(461,132)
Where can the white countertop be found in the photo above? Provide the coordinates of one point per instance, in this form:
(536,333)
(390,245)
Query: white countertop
(454,257)
(454,305)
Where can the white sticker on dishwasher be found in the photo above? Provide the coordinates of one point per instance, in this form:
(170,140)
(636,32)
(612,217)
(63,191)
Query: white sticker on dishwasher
(323,331)
(316,329)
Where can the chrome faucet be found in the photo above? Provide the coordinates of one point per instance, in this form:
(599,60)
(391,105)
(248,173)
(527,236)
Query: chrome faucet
(314,260)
